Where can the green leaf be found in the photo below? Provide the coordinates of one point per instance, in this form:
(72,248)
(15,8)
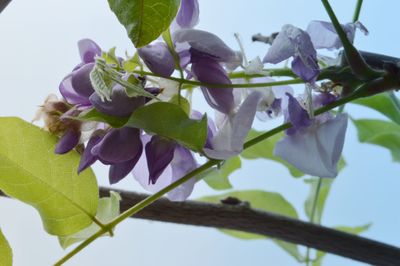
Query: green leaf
(5,251)
(383,103)
(99,83)
(170,121)
(107,210)
(218,178)
(263,200)
(323,194)
(355,230)
(31,172)
(182,102)
(110,57)
(382,133)
(131,63)
(265,150)
(165,119)
(291,249)
(144,20)
(94,115)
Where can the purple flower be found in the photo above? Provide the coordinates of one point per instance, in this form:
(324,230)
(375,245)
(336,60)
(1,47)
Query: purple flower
(88,158)
(119,145)
(228,141)
(323,34)
(315,151)
(76,86)
(208,44)
(181,164)
(188,14)
(119,148)
(158,58)
(296,43)
(297,115)
(120,105)
(159,154)
(320,138)
(207,70)
(68,141)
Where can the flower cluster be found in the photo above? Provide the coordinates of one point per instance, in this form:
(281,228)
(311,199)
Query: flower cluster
(313,144)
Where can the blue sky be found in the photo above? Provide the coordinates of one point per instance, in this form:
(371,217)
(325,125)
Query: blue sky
(39,49)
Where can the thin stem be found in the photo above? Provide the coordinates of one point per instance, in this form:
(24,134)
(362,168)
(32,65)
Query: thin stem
(3,4)
(355,60)
(142,204)
(357,10)
(313,210)
(275,72)
(208,85)
(168,39)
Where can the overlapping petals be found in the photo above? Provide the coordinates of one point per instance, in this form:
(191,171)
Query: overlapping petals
(324,35)
(313,145)
(296,43)
(158,58)
(159,154)
(317,150)
(182,163)
(120,105)
(228,141)
(76,86)
(209,71)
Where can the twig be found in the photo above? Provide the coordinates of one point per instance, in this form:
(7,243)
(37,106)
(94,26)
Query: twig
(3,4)
(243,218)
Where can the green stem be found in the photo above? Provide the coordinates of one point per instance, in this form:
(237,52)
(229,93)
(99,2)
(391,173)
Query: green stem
(139,206)
(313,210)
(246,85)
(275,72)
(357,10)
(355,60)
(168,39)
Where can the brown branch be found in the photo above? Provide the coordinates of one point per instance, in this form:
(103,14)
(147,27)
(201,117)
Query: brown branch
(239,216)
(3,4)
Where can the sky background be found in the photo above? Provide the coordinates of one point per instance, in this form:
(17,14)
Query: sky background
(38,48)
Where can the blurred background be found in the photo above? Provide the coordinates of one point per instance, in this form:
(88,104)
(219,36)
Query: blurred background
(38,48)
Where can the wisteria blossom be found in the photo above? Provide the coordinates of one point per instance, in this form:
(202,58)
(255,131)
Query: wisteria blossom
(294,42)
(313,145)
(323,33)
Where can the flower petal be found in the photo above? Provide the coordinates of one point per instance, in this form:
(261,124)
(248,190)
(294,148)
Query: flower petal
(159,154)
(120,170)
(88,50)
(182,164)
(80,80)
(69,94)
(229,140)
(210,71)
(188,15)
(87,158)
(119,145)
(207,43)
(68,141)
(281,49)
(297,115)
(316,151)
(307,71)
(158,58)
(120,105)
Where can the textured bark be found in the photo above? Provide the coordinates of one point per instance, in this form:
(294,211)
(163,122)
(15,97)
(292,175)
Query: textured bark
(240,216)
